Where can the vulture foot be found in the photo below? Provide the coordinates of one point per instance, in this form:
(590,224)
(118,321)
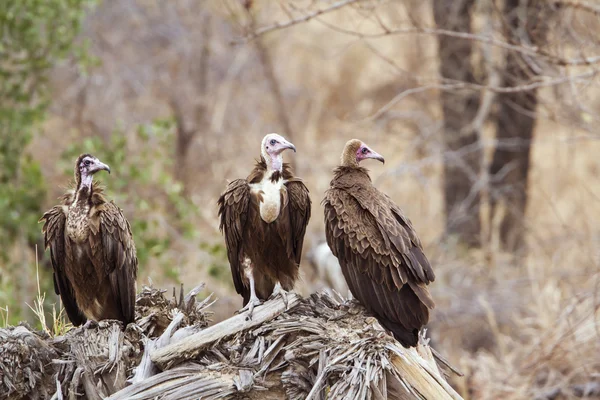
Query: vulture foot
(89,324)
(253,302)
(279,291)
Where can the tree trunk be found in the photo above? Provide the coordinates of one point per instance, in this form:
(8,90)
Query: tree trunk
(462,151)
(509,169)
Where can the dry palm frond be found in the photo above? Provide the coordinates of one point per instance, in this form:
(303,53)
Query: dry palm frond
(24,356)
(313,348)
(95,361)
(318,346)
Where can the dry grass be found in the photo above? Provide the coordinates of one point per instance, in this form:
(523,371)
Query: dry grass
(519,328)
(59,322)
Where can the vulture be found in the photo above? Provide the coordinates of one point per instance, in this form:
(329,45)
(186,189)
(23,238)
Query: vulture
(263,219)
(92,250)
(379,252)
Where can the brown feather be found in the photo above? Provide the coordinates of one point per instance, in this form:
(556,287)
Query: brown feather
(54,232)
(95,278)
(379,252)
(273,249)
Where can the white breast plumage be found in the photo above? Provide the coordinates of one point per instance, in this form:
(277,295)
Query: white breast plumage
(270,193)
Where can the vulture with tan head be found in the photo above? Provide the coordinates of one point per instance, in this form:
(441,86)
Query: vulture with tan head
(92,250)
(264,218)
(378,250)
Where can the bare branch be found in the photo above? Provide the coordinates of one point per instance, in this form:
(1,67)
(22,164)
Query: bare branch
(520,48)
(292,22)
(473,86)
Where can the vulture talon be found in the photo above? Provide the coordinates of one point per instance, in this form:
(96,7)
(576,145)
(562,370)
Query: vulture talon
(279,291)
(90,323)
(254,302)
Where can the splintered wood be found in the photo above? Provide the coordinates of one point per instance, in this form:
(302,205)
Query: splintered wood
(319,347)
(189,347)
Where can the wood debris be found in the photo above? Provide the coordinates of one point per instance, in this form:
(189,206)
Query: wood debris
(318,347)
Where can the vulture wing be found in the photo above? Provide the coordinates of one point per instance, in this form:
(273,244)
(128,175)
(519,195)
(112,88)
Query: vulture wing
(113,252)
(299,209)
(381,258)
(54,238)
(233,210)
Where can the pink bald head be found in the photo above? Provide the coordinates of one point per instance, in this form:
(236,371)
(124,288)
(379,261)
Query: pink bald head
(355,151)
(271,148)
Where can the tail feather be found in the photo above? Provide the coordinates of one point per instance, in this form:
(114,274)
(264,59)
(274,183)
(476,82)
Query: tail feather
(406,337)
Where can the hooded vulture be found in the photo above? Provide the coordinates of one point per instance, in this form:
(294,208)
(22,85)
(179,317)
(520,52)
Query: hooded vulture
(92,251)
(378,250)
(264,218)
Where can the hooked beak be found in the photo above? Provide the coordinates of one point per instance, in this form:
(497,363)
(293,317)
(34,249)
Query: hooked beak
(100,166)
(376,156)
(289,145)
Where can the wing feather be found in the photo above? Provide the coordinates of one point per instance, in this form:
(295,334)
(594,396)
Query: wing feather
(299,206)
(54,239)
(370,236)
(391,236)
(113,252)
(233,212)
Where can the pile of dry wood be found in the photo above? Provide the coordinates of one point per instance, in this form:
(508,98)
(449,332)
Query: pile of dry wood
(316,348)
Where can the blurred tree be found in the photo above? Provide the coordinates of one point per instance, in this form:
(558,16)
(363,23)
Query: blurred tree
(525,22)
(266,62)
(36,34)
(190,110)
(462,150)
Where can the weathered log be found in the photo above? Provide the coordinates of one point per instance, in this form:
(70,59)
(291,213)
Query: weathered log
(320,347)
(191,346)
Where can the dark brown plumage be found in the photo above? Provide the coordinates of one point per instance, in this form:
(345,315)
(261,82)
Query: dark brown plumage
(92,250)
(378,250)
(264,218)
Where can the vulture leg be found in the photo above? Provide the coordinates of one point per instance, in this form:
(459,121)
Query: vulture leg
(279,291)
(254,300)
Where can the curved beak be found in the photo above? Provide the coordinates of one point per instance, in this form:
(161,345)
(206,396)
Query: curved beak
(376,156)
(289,145)
(100,166)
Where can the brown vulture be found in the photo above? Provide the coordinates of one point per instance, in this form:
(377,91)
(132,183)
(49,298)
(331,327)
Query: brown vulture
(264,219)
(92,250)
(378,250)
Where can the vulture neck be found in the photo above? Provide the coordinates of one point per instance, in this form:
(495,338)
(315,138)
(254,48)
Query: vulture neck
(84,189)
(349,158)
(274,163)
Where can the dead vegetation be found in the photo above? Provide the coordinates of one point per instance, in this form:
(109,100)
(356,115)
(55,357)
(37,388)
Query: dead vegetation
(315,348)
(93,362)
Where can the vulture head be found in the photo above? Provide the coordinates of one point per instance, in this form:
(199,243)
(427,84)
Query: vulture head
(355,151)
(271,148)
(85,168)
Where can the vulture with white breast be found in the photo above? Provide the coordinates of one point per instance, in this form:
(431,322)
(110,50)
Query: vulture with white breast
(92,250)
(264,218)
(378,250)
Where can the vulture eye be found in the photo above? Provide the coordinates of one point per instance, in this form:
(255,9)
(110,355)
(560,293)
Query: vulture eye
(87,162)
(365,150)
(273,141)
